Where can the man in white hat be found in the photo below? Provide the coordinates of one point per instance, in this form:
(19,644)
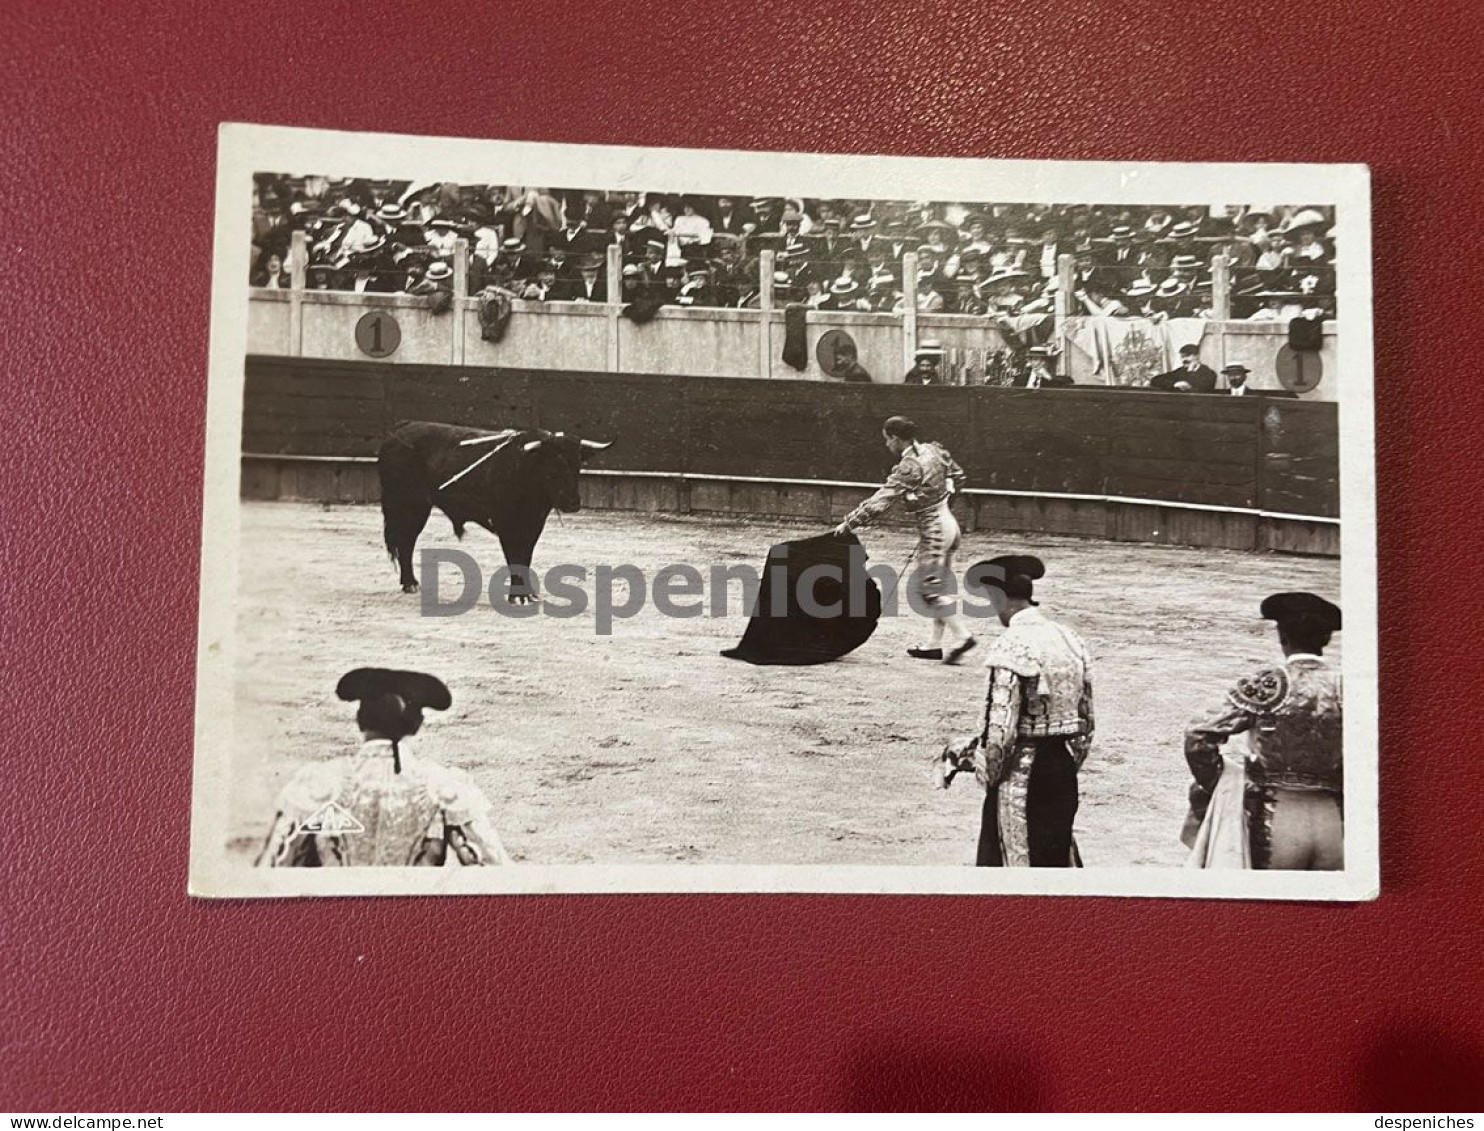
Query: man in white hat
(863,229)
(1039,374)
(438,277)
(927,366)
(883,293)
(697,289)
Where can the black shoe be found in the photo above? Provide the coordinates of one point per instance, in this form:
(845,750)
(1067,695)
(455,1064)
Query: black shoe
(960,652)
(925,653)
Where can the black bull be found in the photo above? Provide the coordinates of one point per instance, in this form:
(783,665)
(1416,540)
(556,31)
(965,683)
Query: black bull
(506,482)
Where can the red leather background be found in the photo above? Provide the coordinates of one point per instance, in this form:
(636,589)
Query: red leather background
(117,992)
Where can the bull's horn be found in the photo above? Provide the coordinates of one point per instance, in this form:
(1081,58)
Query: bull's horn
(594,446)
(530,445)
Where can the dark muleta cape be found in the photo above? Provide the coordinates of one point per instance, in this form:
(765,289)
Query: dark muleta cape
(790,634)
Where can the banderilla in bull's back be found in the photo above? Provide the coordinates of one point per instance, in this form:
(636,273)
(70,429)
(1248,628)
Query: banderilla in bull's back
(507,482)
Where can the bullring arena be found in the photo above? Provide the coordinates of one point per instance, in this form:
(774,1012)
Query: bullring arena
(646,746)
(1164,519)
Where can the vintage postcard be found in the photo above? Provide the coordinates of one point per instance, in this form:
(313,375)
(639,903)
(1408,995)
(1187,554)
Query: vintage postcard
(596,519)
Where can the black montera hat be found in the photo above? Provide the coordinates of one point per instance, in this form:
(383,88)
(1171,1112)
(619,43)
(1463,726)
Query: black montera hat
(1013,574)
(416,689)
(1305,609)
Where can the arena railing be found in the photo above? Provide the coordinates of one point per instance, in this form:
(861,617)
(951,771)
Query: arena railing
(971,341)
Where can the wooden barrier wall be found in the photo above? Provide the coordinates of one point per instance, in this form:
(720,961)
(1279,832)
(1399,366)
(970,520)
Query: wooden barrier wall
(717,342)
(1119,446)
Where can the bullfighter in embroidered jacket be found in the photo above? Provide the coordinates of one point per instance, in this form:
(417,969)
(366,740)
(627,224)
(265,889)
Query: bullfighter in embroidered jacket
(384,805)
(924,481)
(1281,804)
(1038,725)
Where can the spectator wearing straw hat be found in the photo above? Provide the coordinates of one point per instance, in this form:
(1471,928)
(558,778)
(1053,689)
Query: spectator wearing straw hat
(1003,291)
(437,277)
(765,213)
(1116,258)
(655,248)
(633,283)
(884,291)
(697,289)
(1200,217)
(1157,223)
(440,236)
(1186,268)
(1139,298)
(863,231)
(1174,298)
(929,265)
(1181,235)
(927,367)
(1040,372)
(845,293)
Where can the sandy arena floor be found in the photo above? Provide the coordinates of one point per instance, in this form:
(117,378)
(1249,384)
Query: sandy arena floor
(647,746)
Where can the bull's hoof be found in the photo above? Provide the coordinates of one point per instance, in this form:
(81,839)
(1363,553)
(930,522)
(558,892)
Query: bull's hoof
(409,587)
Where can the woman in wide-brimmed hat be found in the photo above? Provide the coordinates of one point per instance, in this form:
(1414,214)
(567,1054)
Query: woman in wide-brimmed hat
(1304,231)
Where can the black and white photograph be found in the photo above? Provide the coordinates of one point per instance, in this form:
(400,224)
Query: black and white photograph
(593,519)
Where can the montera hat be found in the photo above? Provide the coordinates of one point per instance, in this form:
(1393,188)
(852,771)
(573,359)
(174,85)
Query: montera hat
(1012,574)
(416,689)
(1302,610)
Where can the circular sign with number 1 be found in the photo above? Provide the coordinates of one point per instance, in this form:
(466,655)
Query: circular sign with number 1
(378,335)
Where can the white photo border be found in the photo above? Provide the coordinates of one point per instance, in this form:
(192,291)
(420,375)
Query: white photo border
(245,149)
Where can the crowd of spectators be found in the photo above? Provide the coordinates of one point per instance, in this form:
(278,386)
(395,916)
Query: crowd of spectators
(543,244)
